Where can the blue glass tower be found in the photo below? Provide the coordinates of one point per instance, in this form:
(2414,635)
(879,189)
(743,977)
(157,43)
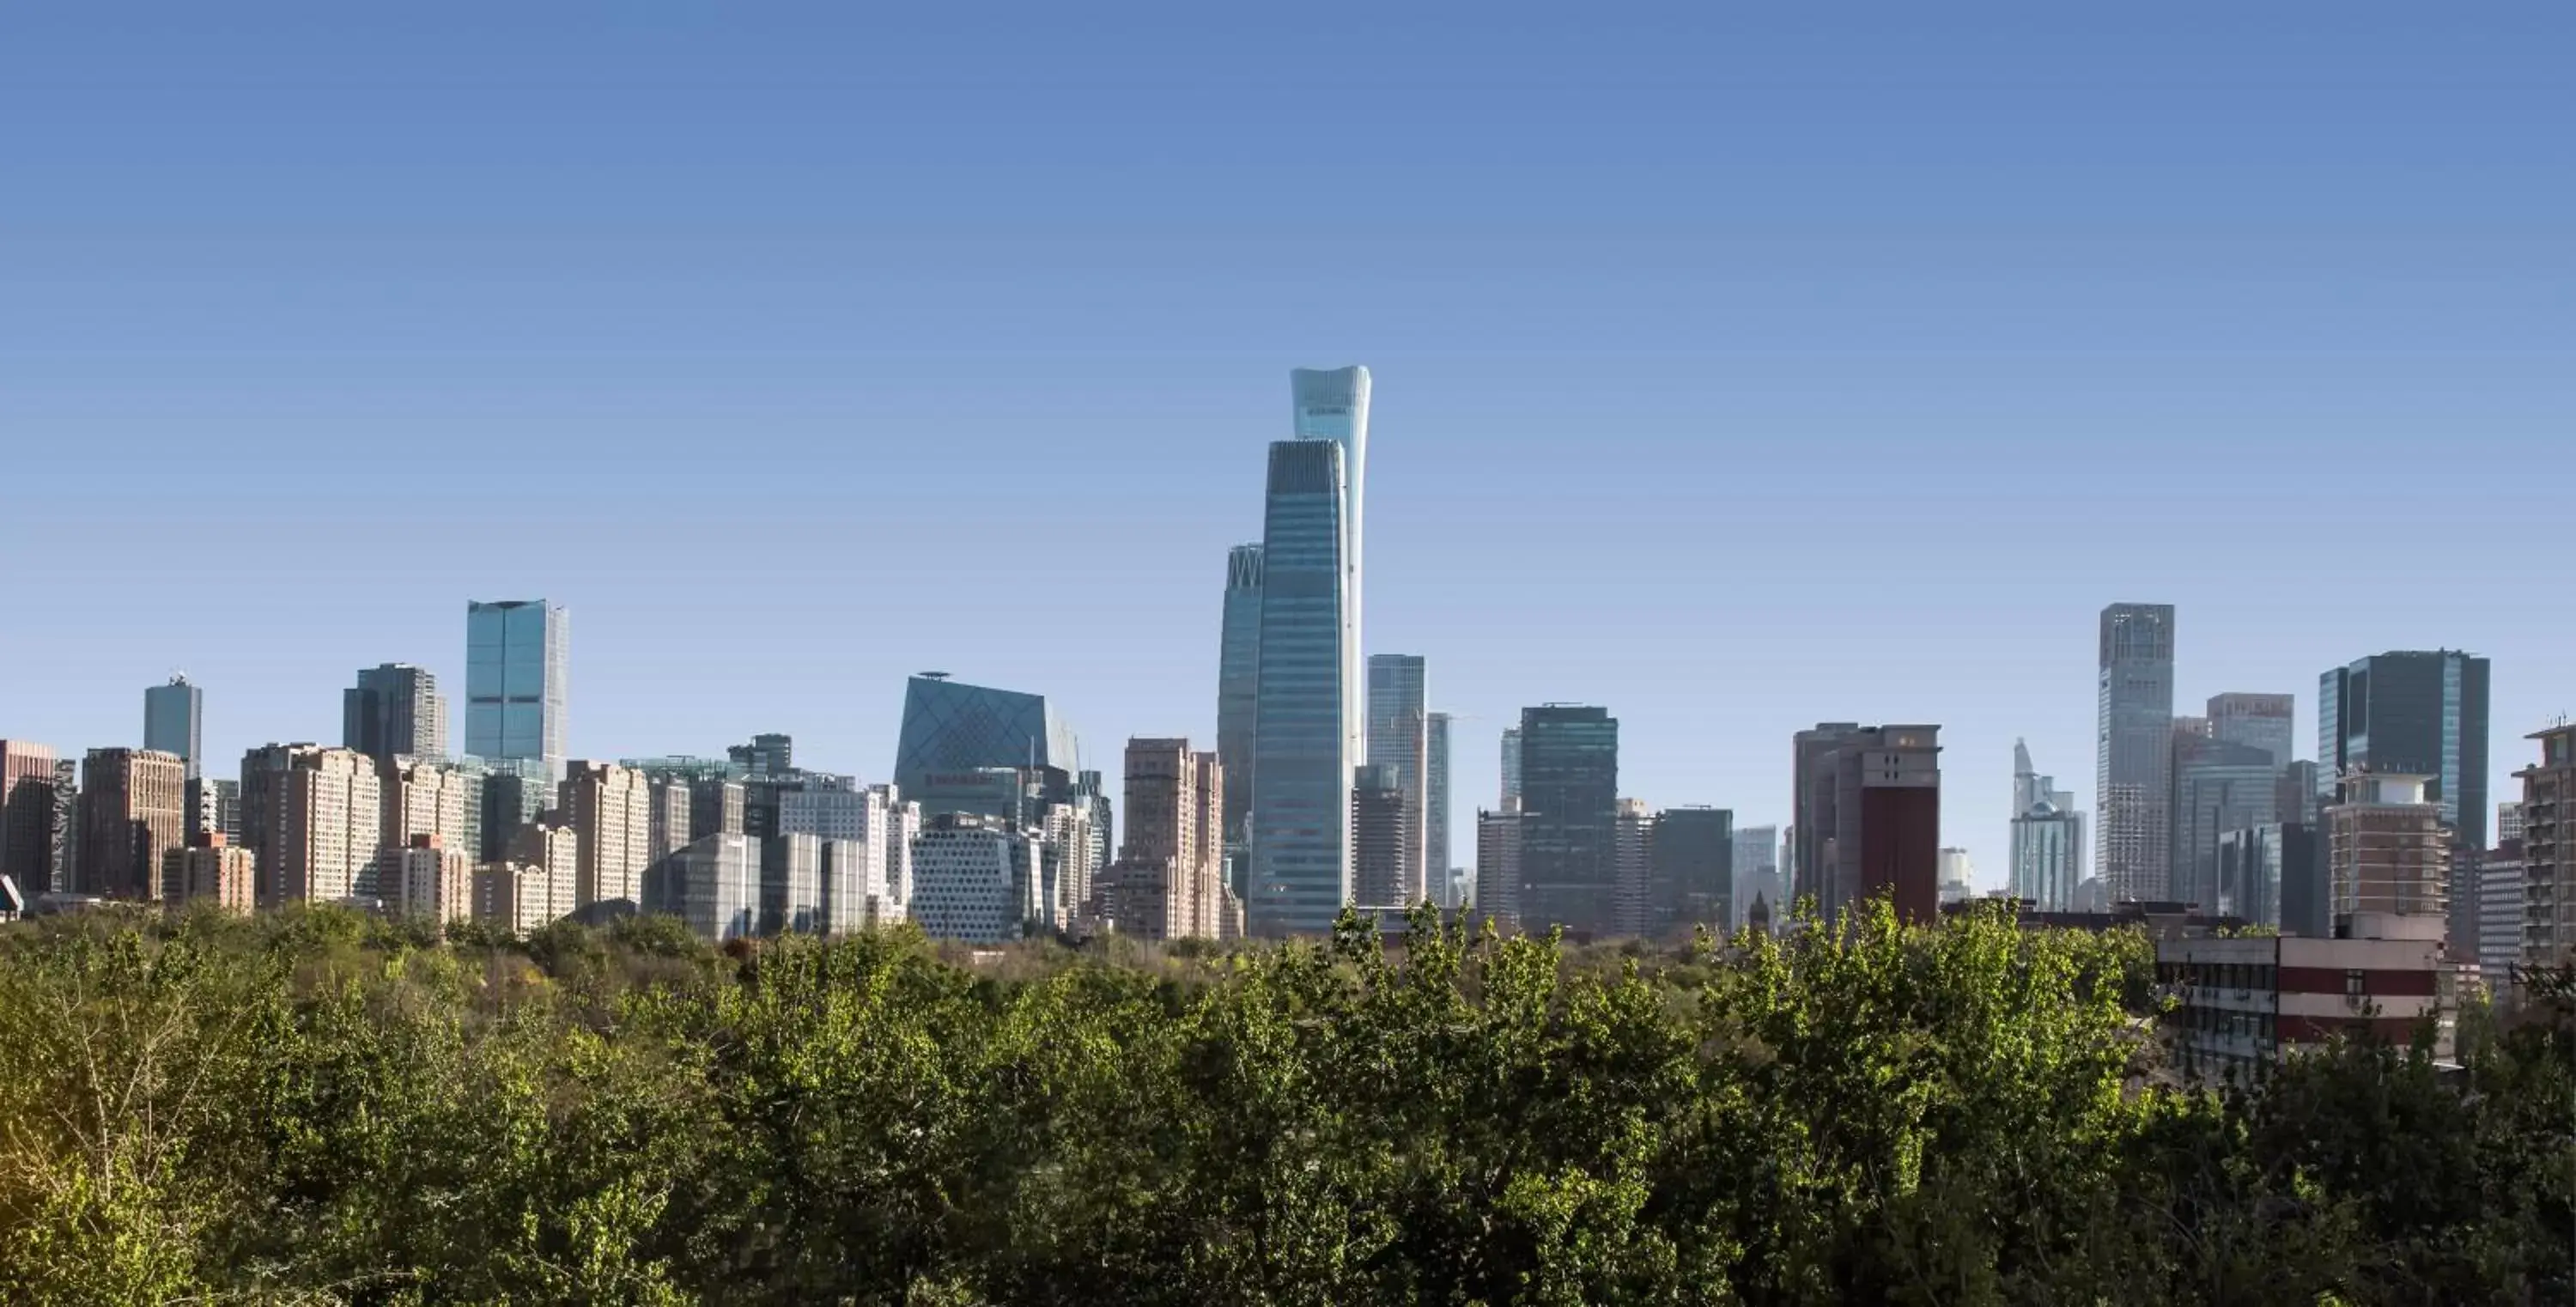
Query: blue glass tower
(1304,742)
(514,681)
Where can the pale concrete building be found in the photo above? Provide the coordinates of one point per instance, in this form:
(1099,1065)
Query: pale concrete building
(322,828)
(610,810)
(1169,879)
(423,878)
(426,797)
(2549,849)
(133,812)
(522,897)
(214,871)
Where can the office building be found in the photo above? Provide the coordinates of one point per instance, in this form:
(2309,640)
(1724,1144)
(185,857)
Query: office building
(211,870)
(421,877)
(712,883)
(2411,713)
(769,754)
(2299,794)
(2497,937)
(2549,849)
(668,815)
(1381,843)
(1498,863)
(2508,823)
(1306,737)
(1631,849)
(1691,877)
(524,897)
(717,806)
(426,797)
(950,726)
(855,895)
(2047,839)
(1957,876)
(516,794)
(1569,817)
(1332,406)
(610,811)
(1399,738)
(174,722)
(133,812)
(2257,721)
(394,711)
(1238,687)
(214,807)
(791,885)
(26,815)
(1511,762)
(515,664)
(1444,888)
(2244,1001)
(1868,803)
(2133,752)
(1757,872)
(974,879)
(319,824)
(2218,787)
(2388,849)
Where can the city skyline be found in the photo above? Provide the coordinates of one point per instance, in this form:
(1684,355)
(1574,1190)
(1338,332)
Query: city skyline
(2124,337)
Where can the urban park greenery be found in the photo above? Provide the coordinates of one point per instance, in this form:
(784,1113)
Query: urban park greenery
(321,1107)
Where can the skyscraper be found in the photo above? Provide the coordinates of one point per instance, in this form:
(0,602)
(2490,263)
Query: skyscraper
(1498,863)
(2413,713)
(1756,872)
(394,711)
(26,815)
(2133,751)
(174,722)
(1691,853)
(1333,405)
(1631,865)
(2047,838)
(133,812)
(1869,817)
(1569,819)
(1399,739)
(1305,734)
(951,727)
(1166,883)
(2261,721)
(321,824)
(514,681)
(2218,787)
(610,811)
(1511,763)
(1238,683)
(1445,889)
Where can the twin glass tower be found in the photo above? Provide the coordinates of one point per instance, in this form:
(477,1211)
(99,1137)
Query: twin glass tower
(1308,694)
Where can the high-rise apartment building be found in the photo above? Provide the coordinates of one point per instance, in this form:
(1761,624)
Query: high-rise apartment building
(2411,713)
(214,807)
(1868,825)
(2549,849)
(2133,751)
(668,821)
(1168,880)
(424,797)
(1305,736)
(2218,787)
(2047,838)
(133,812)
(1380,838)
(1238,684)
(2260,721)
(515,663)
(394,711)
(420,877)
(1498,863)
(1399,738)
(1631,864)
(211,870)
(522,897)
(610,811)
(1569,816)
(65,829)
(319,824)
(552,848)
(2503,896)
(26,815)
(2387,848)
(1444,888)
(174,722)
(1691,872)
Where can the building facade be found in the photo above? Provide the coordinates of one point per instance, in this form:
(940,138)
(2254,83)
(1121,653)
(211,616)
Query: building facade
(1498,864)
(423,878)
(426,797)
(713,884)
(521,897)
(1399,738)
(2388,849)
(2549,849)
(394,711)
(1757,872)
(2411,713)
(1381,845)
(2218,787)
(2133,752)
(610,812)
(1691,872)
(516,660)
(1238,689)
(950,726)
(2258,721)
(133,812)
(210,870)
(1569,819)
(320,828)
(174,722)
(1444,888)
(973,879)
(27,815)
(2047,839)
(2243,1002)
(1331,406)
(1306,737)
(2501,903)
(1868,803)
(1511,764)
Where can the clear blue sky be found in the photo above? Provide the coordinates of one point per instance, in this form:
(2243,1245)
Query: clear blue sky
(1737,366)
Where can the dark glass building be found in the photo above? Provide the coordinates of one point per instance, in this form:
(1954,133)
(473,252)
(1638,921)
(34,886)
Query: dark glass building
(1691,882)
(2412,713)
(1569,809)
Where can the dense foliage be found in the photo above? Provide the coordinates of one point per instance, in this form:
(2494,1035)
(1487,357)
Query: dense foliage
(319,1107)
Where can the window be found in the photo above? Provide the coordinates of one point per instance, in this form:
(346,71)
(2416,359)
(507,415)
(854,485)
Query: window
(2354,985)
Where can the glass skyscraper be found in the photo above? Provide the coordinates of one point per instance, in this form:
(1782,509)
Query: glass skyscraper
(1569,818)
(1399,740)
(2047,838)
(174,721)
(1304,744)
(952,729)
(2133,752)
(394,711)
(514,681)
(1445,889)
(2411,713)
(1238,683)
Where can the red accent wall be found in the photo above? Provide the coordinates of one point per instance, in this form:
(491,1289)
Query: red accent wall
(2376,983)
(1900,849)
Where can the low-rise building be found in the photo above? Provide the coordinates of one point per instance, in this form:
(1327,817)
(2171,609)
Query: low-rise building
(2244,1001)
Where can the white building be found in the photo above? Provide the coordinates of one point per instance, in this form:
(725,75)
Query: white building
(426,879)
(716,888)
(522,897)
(791,887)
(610,809)
(324,829)
(973,880)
